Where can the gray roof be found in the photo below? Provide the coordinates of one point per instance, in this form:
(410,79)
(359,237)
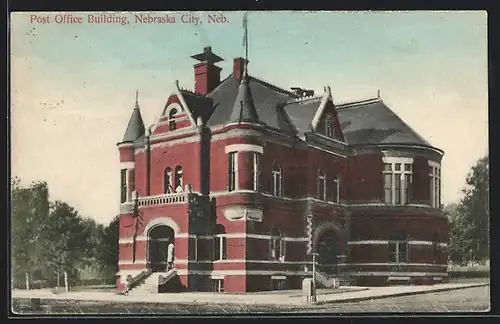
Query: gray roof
(197,104)
(135,127)
(364,122)
(302,112)
(243,108)
(372,122)
(265,97)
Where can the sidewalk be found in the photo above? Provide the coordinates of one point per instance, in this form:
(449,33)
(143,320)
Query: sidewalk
(352,294)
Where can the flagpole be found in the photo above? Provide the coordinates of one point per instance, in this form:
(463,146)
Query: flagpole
(245,26)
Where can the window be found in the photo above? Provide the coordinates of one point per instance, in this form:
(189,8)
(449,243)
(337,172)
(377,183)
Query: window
(321,185)
(231,171)
(277,246)
(277,180)
(278,284)
(397,181)
(123,185)
(336,189)
(178,179)
(167,181)
(218,285)
(220,243)
(171,120)
(256,171)
(329,126)
(398,248)
(435,184)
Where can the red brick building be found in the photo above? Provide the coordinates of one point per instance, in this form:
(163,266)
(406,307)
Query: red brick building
(248,179)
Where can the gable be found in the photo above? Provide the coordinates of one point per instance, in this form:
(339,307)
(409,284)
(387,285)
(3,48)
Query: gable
(172,118)
(328,123)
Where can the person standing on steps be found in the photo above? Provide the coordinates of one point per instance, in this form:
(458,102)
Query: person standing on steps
(170,254)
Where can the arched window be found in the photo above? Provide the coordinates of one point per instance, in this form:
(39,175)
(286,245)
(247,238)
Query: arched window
(398,248)
(178,179)
(329,126)
(171,119)
(220,242)
(277,180)
(322,185)
(167,181)
(277,248)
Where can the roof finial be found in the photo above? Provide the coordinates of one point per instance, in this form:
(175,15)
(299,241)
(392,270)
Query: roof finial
(378,93)
(136,98)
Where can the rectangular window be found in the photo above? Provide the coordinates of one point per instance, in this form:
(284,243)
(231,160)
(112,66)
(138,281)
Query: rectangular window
(407,188)
(256,171)
(278,284)
(397,181)
(397,188)
(220,248)
(231,171)
(218,285)
(435,186)
(398,252)
(388,188)
(123,185)
(336,189)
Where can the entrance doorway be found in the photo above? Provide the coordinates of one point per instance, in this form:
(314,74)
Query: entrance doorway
(158,239)
(328,252)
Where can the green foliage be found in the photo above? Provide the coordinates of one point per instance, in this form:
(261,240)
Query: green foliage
(469,220)
(52,238)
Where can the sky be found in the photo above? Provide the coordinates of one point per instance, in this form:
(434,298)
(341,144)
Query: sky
(73,85)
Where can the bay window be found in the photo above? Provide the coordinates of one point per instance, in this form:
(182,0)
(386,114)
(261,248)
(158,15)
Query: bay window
(397,175)
(435,184)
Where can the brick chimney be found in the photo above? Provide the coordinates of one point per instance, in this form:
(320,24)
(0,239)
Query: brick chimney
(238,68)
(206,73)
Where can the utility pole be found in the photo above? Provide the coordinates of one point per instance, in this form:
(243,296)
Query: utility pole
(313,297)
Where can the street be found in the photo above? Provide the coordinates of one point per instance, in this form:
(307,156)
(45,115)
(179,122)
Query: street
(461,300)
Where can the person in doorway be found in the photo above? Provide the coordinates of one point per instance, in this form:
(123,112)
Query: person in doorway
(170,254)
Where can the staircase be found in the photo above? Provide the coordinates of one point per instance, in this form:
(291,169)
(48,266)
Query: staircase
(324,280)
(152,282)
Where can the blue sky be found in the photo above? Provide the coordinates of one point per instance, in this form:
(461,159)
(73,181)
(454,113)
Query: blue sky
(431,68)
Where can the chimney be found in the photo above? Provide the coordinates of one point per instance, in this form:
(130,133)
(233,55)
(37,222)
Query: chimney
(238,68)
(206,73)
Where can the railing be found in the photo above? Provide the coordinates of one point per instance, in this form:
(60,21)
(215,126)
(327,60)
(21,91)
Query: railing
(173,198)
(135,281)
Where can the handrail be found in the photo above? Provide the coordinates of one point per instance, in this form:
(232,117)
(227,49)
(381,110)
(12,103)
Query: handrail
(137,279)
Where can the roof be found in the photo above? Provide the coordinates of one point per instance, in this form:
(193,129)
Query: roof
(301,113)
(372,122)
(266,98)
(135,127)
(198,105)
(363,122)
(243,107)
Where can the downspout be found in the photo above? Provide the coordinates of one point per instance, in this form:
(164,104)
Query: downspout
(148,162)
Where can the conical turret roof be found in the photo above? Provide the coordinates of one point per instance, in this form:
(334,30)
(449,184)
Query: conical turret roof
(244,108)
(135,127)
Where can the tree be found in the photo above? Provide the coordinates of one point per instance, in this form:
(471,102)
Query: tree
(470,219)
(65,241)
(108,248)
(30,210)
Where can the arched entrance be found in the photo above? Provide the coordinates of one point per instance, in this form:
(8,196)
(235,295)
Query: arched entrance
(159,237)
(328,249)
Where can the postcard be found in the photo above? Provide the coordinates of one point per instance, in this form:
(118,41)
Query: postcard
(228,162)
